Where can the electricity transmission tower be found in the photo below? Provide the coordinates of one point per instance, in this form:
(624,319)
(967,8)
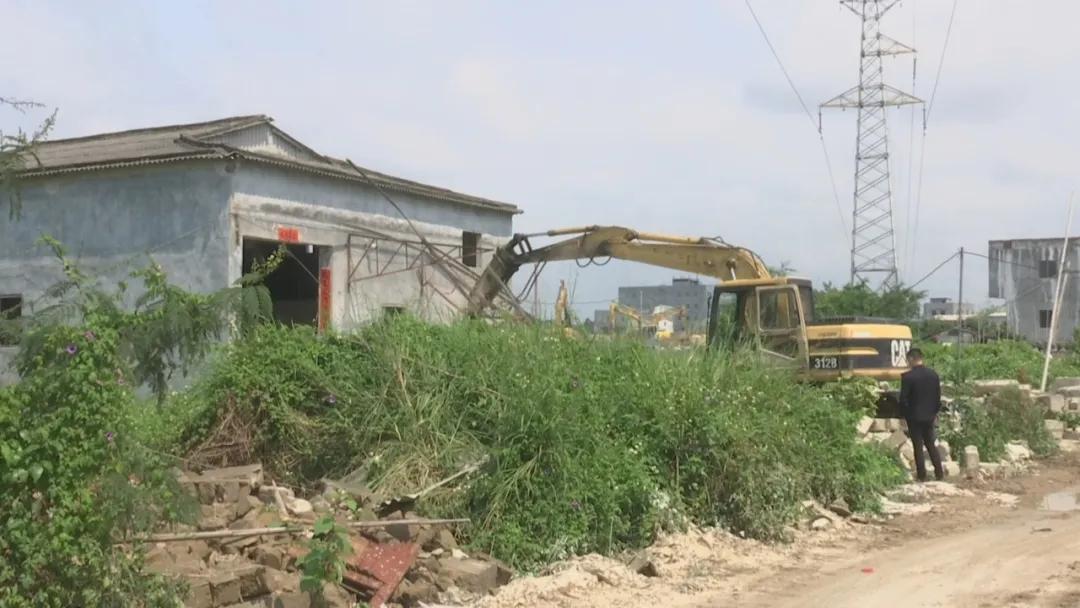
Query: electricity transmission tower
(873,242)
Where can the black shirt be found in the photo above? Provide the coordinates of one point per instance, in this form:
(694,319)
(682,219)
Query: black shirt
(920,394)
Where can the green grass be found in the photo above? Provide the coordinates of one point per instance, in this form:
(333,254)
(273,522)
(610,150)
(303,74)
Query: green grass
(1005,359)
(591,445)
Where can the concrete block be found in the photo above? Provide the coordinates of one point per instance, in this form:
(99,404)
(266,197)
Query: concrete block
(299,507)
(225,589)
(1056,428)
(227,491)
(199,594)
(944,450)
(266,494)
(1072,404)
(1051,402)
(248,521)
(1071,435)
(470,574)
(1017,452)
(896,424)
(271,556)
(278,581)
(907,451)
(879,425)
(864,425)
(952,469)
(252,581)
(1069,391)
(971,458)
(895,440)
(292,599)
(1060,383)
(984,388)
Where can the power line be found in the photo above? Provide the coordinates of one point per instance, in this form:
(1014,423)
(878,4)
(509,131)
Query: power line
(780,63)
(806,110)
(911,140)
(918,201)
(936,268)
(941,62)
(926,118)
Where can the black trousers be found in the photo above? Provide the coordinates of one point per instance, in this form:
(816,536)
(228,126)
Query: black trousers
(922,434)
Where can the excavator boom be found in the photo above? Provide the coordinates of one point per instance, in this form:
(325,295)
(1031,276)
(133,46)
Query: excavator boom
(693,255)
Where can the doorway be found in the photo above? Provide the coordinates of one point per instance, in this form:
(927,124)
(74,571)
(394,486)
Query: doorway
(294,284)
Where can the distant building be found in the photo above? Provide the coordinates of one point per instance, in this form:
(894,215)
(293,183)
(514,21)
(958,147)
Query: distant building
(684,292)
(1024,273)
(938,307)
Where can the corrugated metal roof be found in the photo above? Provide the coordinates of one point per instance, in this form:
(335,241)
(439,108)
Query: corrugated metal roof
(209,140)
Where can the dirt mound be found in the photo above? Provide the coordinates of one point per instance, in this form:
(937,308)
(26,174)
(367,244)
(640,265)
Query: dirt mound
(684,564)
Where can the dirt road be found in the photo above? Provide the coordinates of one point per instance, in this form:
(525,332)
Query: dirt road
(968,555)
(1032,558)
(984,545)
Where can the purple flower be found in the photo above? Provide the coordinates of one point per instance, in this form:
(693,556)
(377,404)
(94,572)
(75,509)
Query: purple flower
(110,436)
(331,399)
(72,349)
(89,335)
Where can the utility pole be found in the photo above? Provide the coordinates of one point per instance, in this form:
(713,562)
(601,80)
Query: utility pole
(960,309)
(873,242)
(1059,293)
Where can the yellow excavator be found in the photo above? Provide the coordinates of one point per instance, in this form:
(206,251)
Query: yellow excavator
(775,312)
(615,310)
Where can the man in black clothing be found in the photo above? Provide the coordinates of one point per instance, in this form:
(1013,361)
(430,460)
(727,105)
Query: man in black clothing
(920,401)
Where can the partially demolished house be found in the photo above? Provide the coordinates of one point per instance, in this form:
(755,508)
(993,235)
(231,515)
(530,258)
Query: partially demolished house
(207,201)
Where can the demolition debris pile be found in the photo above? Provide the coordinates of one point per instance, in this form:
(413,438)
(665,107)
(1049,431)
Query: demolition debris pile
(249,545)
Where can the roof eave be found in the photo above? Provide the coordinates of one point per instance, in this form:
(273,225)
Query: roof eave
(216,151)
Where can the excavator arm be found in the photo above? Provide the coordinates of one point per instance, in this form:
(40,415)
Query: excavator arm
(615,309)
(693,255)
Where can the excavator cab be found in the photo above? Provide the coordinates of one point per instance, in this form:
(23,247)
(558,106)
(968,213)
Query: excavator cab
(772,312)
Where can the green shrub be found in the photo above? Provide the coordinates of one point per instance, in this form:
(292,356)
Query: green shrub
(1001,418)
(73,481)
(1004,359)
(591,445)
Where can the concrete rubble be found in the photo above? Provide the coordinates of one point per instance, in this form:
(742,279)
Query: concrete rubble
(404,565)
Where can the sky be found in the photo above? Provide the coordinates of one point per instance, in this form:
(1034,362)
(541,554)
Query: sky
(666,117)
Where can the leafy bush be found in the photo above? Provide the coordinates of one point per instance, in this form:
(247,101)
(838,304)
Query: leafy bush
(1001,418)
(73,481)
(325,560)
(591,445)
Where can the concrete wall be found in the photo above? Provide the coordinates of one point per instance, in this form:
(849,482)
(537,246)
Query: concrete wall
(275,183)
(373,258)
(1014,276)
(109,220)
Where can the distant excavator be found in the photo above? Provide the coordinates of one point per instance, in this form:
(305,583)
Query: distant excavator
(776,313)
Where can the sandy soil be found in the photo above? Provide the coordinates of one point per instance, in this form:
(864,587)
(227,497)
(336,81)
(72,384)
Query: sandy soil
(969,546)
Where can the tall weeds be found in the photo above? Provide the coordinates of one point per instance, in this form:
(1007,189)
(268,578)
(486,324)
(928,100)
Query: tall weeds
(591,445)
